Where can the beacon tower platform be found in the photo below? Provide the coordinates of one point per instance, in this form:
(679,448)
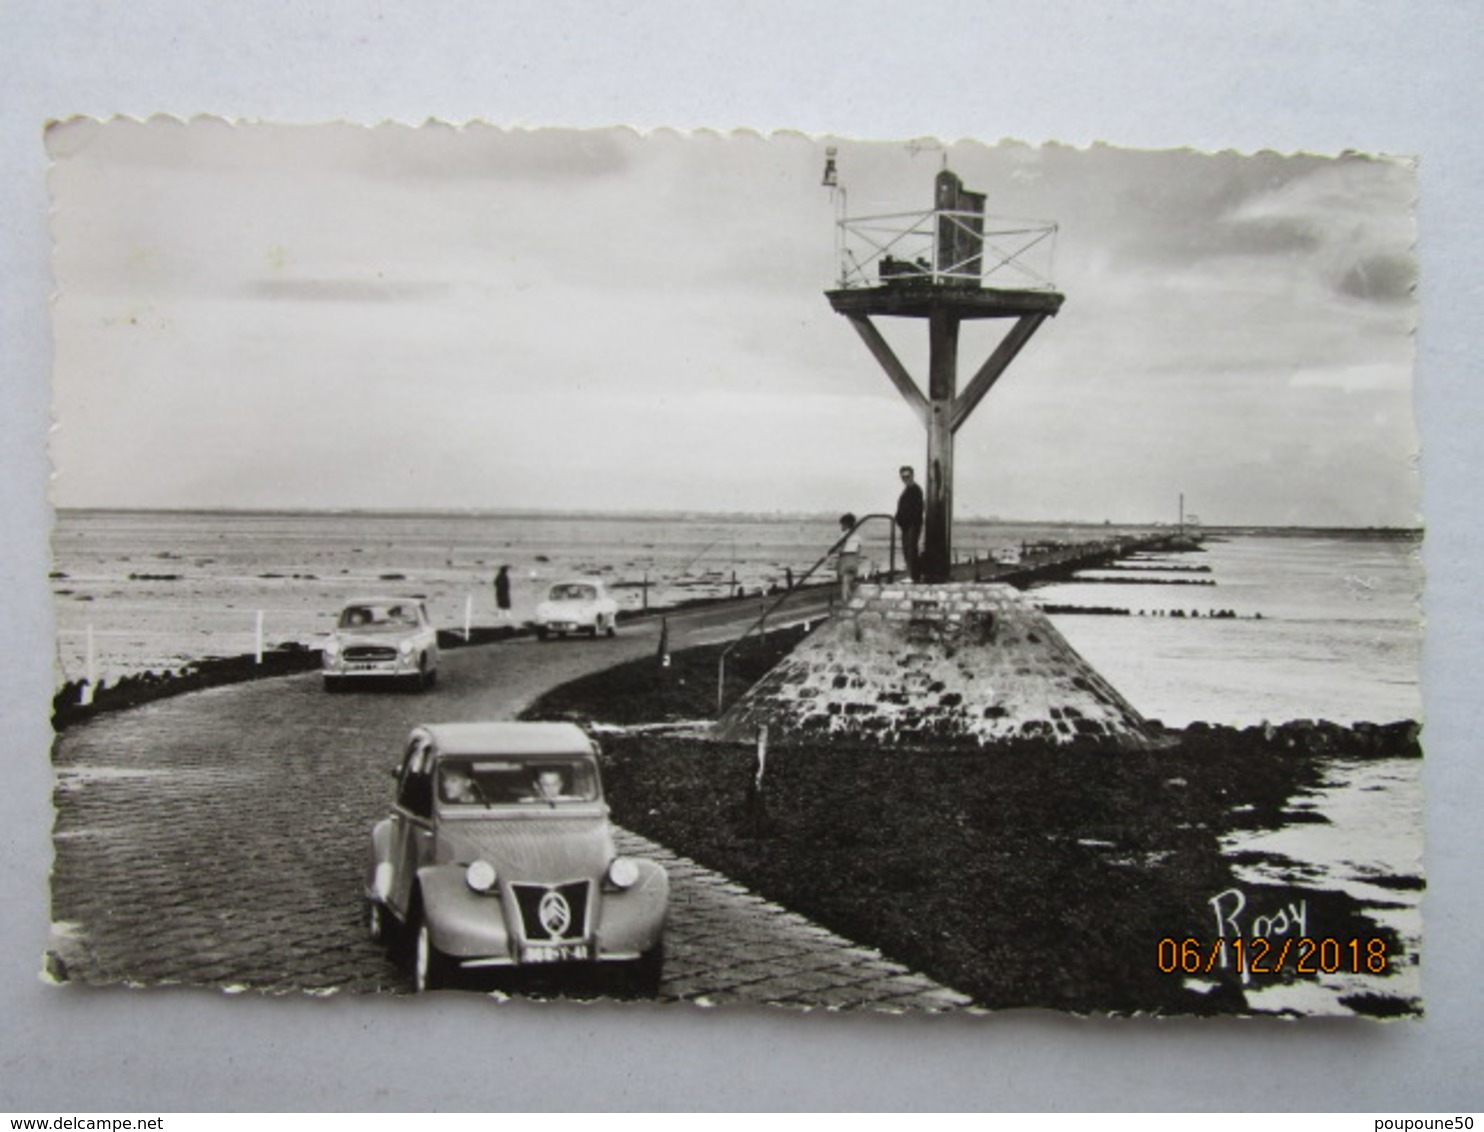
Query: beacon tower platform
(944,265)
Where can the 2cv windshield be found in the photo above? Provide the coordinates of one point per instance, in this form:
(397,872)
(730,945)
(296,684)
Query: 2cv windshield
(516,781)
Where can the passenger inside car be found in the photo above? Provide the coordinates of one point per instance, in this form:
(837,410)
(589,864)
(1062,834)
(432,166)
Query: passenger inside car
(457,786)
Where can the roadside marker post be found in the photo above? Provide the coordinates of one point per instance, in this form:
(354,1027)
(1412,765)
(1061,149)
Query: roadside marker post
(757,803)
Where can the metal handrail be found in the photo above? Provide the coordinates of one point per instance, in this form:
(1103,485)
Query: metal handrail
(1006,241)
(762,620)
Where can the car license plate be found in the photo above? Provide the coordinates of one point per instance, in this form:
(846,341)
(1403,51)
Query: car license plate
(556,953)
(364,666)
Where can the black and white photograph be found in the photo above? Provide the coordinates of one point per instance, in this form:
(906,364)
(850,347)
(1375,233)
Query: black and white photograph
(719,569)
(998,482)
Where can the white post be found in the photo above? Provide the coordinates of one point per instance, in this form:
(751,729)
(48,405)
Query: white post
(468,615)
(258,639)
(91,667)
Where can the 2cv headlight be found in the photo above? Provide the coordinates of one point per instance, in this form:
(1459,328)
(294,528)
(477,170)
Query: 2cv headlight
(623,873)
(480,876)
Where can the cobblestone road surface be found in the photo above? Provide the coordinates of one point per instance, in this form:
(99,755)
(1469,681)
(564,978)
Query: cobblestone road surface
(219,839)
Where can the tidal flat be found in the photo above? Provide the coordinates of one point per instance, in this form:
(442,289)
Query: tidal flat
(1038,876)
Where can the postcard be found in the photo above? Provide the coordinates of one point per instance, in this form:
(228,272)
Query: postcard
(820,573)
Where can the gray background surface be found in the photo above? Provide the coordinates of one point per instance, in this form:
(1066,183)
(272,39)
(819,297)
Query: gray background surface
(1296,76)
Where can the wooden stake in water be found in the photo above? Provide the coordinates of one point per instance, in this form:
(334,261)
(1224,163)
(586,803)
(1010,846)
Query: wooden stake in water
(258,639)
(91,670)
(468,615)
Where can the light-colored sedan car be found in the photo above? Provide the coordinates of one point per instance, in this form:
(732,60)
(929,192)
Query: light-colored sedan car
(498,854)
(382,638)
(576,605)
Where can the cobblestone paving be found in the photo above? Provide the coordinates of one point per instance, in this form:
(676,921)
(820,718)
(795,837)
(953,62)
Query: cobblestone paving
(726,944)
(219,839)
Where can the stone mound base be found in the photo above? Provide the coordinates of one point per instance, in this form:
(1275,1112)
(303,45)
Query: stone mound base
(952,666)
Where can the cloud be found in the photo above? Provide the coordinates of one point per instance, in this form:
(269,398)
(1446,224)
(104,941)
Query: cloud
(482,152)
(1361,210)
(1387,278)
(345,290)
(1354,379)
(573,318)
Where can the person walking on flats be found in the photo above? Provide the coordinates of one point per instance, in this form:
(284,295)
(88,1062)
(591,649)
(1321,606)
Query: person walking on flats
(909,520)
(502,594)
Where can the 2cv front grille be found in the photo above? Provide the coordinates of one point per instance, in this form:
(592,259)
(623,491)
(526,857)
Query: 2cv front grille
(552,912)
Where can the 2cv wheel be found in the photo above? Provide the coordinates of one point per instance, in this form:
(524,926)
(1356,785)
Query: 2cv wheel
(646,972)
(430,967)
(375,921)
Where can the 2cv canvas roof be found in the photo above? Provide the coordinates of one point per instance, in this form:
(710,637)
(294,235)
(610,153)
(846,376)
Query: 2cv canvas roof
(508,738)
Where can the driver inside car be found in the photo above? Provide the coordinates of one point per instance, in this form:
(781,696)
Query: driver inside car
(549,785)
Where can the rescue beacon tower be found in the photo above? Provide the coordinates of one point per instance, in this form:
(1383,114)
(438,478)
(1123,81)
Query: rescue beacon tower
(944,265)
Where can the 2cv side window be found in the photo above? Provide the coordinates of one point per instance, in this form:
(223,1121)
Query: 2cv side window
(415,789)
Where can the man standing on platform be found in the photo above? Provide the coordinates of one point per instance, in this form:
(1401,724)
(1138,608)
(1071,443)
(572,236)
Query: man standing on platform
(909,519)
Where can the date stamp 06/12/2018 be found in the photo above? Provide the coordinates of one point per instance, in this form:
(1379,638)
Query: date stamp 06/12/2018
(1261,955)
(1275,943)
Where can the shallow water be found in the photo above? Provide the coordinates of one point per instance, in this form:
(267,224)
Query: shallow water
(1322,628)
(1339,635)
(162,588)
(1372,835)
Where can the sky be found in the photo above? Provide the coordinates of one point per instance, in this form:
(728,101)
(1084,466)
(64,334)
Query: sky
(335,316)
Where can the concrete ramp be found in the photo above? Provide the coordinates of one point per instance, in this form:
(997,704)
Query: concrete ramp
(953,666)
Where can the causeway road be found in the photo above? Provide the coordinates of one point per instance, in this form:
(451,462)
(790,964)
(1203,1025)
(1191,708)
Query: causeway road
(219,839)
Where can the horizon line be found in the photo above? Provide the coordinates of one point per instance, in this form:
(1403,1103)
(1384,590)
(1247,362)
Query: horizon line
(663,513)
